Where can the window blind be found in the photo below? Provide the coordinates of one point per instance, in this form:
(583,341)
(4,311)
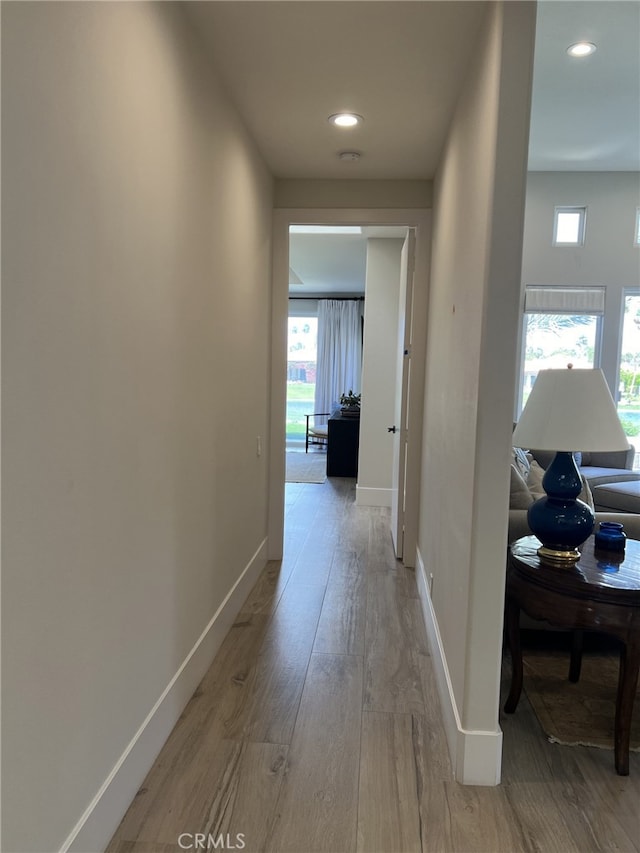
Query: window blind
(564,300)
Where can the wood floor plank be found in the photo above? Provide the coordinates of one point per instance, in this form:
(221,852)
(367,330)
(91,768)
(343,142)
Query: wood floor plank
(354,528)
(411,583)
(525,752)
(392,683)
(435,822)
(381,550)
(540,817)
(268,589)
(586,813)
(432,710)
(430,743)
(314,562)
(162,807)
(244,806)
(431,770)
(229,685)
(347,561)
(418,631)
(317,809)
(282,667)
(618,796)
(389,614)
(392,669)
(388,806)
(482,820)
(591,827)
(230,789)
(342,620)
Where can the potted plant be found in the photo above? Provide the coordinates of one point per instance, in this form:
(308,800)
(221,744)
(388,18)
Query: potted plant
(350,404)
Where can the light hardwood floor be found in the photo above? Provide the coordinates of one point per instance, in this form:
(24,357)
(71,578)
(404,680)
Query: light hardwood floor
(318,728)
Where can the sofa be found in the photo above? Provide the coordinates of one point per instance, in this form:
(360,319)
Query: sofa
(614,485)
(598,470)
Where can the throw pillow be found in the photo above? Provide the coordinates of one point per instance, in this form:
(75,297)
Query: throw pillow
(521,461)
(519,494)
(534,482)
(586,495)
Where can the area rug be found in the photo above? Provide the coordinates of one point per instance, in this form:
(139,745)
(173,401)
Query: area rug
(306,467)
(579,714)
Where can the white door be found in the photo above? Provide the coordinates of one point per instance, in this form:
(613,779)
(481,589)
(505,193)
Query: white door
(400,434)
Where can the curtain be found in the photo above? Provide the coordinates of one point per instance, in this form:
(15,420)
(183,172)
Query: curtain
(339,361)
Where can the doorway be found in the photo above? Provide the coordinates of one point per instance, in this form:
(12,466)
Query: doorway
(420,221)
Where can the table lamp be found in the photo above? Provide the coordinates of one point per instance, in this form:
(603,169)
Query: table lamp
(567,410)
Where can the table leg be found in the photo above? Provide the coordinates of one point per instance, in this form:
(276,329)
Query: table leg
(627,684)
(513,638)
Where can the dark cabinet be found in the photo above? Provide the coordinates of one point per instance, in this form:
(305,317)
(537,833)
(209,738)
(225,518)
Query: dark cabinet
(342,445)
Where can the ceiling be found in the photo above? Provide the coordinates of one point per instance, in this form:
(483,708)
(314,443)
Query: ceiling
(334,264)
(585,113)
(289,65)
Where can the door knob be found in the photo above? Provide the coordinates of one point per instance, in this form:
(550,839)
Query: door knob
(392,429)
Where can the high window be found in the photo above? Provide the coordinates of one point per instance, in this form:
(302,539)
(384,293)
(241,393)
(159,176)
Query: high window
(569,226)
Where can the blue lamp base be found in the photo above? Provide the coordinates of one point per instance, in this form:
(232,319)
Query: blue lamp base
(559,520)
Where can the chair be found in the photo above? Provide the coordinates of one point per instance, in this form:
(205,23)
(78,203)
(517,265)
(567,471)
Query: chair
(316,434)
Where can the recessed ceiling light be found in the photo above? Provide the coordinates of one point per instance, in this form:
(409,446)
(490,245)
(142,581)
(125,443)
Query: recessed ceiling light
(581,48)
(346,119)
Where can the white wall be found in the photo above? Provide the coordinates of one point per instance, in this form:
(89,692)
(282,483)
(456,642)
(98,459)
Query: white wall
(379,359)
(136,264)
(469,389)
(608,257)
(351,193)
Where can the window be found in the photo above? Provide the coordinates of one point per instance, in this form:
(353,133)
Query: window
(569,226)
(555,340)
(301,373)
(637,231)
(629,376)
(562,325)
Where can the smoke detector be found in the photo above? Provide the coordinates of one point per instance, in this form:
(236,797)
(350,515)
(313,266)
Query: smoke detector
(351,156)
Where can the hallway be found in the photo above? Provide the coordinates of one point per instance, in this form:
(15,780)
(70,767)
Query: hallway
(318,728)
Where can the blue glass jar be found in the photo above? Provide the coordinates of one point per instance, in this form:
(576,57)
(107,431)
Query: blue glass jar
(610,537)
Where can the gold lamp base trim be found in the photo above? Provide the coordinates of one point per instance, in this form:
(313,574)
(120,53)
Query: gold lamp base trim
(559,558)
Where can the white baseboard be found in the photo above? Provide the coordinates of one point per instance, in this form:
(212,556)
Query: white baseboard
(476,756)
(103,815)
(367,496)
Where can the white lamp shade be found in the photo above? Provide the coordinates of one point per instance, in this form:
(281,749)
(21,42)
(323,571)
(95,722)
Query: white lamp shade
(570,410)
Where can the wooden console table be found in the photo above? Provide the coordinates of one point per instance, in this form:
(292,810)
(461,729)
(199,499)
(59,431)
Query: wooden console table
(598,593)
